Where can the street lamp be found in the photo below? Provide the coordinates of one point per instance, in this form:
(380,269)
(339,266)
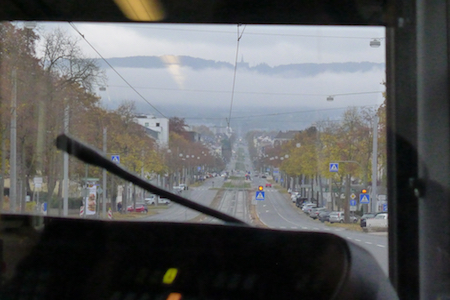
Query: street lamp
(375,43)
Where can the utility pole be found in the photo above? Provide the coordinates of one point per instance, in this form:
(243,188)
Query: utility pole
(374,164)
(13,147)
(66,167)
(347,197)
(104,176)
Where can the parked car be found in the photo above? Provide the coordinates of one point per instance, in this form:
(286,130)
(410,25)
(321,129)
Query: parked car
(268,184)
(324,216)
(294,196)
(338,217)
(151,200)
(314,212)
(364,217)
(380,220)
(139,208)
(183,187)
(299,201)
(264,176)
(163,201)
(307,208)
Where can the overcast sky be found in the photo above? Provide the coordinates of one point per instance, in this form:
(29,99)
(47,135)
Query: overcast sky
(273,45)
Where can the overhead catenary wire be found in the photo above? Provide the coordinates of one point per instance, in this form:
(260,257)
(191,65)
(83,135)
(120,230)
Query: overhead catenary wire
(247,92)
(112,68)
(239,36)
(280,113)
(176,28)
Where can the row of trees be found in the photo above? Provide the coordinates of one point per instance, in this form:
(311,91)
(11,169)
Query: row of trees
(41,93)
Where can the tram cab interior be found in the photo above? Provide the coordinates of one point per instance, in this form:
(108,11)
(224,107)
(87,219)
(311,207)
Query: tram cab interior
(57,258)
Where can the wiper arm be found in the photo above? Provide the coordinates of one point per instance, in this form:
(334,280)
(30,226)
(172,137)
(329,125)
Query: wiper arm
(93,157)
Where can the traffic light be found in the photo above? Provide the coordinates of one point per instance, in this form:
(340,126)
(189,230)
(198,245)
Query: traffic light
(260,188)
(364,191)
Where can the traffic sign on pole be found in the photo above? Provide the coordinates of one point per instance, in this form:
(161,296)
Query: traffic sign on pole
(352,202)
(115,159)
(260,195)
(364,199)
(334,167)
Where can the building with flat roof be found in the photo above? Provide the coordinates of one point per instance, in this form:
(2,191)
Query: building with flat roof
(157,128)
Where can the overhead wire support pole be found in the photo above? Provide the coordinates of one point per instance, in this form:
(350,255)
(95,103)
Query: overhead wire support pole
(13,146)
(66,166)
(239,36)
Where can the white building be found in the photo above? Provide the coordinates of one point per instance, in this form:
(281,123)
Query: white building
(158,128)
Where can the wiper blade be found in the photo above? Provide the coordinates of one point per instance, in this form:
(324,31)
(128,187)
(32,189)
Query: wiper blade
(93,157)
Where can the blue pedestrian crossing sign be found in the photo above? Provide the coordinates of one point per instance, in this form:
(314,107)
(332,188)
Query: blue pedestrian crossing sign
(334,167)
(260,195)
(115,159)
(364,199)
(352,202)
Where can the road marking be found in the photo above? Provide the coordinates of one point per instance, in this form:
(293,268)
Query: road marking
(381,246)
(328,229)
(267,211)
(357,240)
(349,238)
(282,227)
(304,227)
(369,243)
(315,228)
(294,227)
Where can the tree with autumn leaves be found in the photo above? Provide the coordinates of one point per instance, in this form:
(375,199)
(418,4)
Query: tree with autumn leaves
(348,141)
(187,155)
(60,84)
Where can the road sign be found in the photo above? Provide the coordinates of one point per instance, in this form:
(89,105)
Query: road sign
(353,196)
(352,202)
(334,167)
(352,208)
(364,199)
(260,195)
(384,207)
(115,159)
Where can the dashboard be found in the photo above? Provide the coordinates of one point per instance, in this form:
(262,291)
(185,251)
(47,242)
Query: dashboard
(91,259)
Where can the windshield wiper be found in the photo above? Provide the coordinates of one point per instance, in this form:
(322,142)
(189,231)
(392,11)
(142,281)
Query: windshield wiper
(93,157)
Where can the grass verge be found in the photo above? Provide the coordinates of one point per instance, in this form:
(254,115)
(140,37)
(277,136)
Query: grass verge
(352,227)
(132,215)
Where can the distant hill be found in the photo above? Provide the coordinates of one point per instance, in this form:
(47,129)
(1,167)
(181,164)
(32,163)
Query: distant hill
(290,70)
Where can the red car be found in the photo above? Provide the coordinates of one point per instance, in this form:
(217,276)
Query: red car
(139,208)
(268,184)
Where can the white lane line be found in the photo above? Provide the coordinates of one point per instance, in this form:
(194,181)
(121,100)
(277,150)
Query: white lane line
(267,211)
(349,238)
(315,228)
(357,240)
(328,229)
(381,246)
(369,243)
(304,227)
(293,227)
(282,227)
